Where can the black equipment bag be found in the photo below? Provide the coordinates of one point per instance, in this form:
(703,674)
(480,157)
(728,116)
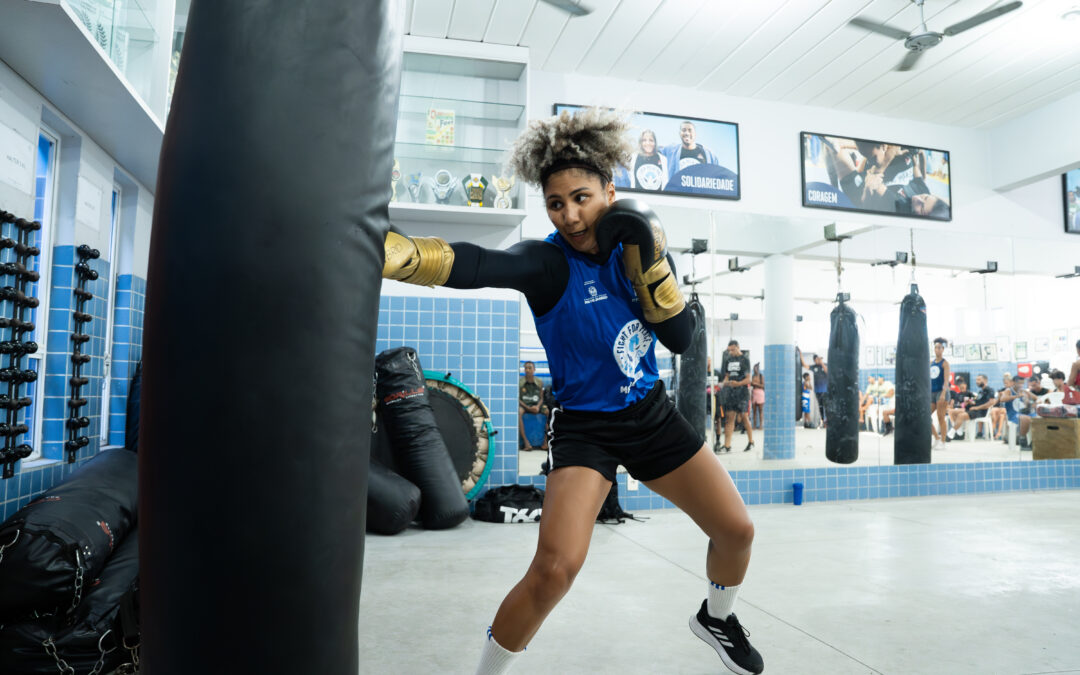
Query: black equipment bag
(510,504)
(421,453)
(912,435)
(36,646)
(61,540)
(611,513)
(842,403)
(690,397)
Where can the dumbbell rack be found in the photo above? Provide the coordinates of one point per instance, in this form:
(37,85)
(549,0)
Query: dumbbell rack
(13,346)
(75,422)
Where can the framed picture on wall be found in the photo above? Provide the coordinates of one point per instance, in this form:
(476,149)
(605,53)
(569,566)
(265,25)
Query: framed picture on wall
(871,176)
(1042,345)
(1021,350)
(890,356)
(1061,340)
(974,353)
(1002,347)
(957,351)
(989,351)
(679,155)
(880,356)
(1070,188)
(868,356)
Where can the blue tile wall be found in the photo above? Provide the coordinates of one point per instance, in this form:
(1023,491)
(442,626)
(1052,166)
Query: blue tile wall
(474,340)
(128,312)
(779,419)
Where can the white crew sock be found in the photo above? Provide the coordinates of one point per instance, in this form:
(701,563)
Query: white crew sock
(722,600)
(495,659)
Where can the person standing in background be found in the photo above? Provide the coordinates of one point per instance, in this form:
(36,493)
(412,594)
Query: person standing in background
(757,396)
(820,371)
(939,401)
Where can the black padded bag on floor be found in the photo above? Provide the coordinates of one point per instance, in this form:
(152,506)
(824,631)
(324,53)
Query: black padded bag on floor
(131,424)
(692,376)
(94,629)
(912,434)
(842,402)
(422,456)
(392,501)
(510,504)
(66,533)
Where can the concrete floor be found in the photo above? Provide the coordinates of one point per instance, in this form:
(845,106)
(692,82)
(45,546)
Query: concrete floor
(982,584)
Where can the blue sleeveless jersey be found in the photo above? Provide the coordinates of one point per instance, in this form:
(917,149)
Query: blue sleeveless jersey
(937,375)
(599,349)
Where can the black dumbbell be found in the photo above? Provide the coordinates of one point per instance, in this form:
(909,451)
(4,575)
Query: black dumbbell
(23,450)
(13,429)
(83,294)
(82,317)
(80,442)
(6,242)
(78,381)
(77,422)
(7,403)
(17,296)
(85,251)
(76,402)
(9,269)
(27,225)
(78,358)
(17,348)
(84,271)
(29,275)
(6,217)
(24,375)
(15,324)
(79,338)
(27,250)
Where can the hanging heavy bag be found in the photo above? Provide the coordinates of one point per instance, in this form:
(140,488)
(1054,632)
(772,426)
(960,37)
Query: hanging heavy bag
(90,638)
(842,402)
(392,501)
(690,400)
(912,435)
(418,445)
(58,543)
(510,504)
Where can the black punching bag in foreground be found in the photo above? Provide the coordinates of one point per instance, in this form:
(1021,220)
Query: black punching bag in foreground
(842,402)
(912,435)
(692,376)
(262,304)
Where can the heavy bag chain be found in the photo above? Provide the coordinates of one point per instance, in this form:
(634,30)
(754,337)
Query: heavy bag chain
(65,668)
(78,582)
(9,544)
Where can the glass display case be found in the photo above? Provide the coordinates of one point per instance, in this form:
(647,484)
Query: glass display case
(460,109)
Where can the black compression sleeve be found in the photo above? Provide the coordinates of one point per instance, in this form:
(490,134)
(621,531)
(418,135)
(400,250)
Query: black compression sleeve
(538,269)
(677,332)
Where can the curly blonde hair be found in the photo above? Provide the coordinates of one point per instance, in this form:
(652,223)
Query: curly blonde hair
(592,139)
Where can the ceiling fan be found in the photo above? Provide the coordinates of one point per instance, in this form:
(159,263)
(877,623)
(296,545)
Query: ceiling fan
(921,39)
(571,7)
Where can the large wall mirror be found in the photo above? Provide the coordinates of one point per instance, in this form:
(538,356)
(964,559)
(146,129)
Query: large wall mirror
(1016,319)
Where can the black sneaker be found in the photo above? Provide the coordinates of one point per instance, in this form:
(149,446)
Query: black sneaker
(749,447)
(728,638)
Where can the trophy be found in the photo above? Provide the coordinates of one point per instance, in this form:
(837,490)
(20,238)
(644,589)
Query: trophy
(474,185)
(443,186)
(414,185)
(395,176)
(502,187)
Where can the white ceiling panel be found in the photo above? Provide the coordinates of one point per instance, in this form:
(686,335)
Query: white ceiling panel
(578,35)
(543,30)
(797,51)
(507,21)
(431,18)
(622,26)
(470,19)
(659,29)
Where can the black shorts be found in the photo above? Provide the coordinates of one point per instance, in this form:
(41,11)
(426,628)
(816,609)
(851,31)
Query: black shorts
(735,399)
(977,414)
(650,438)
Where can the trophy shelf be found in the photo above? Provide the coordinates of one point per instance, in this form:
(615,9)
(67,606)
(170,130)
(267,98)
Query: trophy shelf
(473,110)
(454,215)
(449,153)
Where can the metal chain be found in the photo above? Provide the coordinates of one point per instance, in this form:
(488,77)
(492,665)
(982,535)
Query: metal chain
(78,581)
(10,543)
(101,659)
(50,649)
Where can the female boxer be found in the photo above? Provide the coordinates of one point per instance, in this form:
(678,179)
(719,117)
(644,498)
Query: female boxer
(602,290)
(939,391)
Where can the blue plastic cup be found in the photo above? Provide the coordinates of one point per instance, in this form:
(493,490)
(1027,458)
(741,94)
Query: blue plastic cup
(796,490)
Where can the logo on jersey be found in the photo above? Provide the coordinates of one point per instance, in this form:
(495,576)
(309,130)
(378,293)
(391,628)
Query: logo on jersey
(688,161)
(649,177)
(593,295)
(630,346)
(935,371)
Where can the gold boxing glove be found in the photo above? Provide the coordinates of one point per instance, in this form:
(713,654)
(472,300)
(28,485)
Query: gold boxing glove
(632,223)
(424,261)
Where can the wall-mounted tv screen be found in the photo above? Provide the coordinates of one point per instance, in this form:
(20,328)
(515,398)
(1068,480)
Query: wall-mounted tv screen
(679,155)
(1070,183)
(854,174)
